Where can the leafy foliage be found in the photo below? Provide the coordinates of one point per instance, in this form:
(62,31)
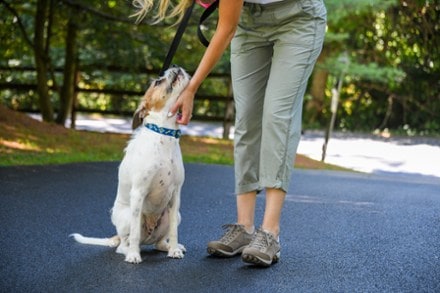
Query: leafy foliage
(390,71)
(392,78)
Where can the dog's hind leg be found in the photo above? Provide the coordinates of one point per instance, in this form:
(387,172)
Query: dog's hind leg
(121,219)
(123,246)
(162,245)
(120,215)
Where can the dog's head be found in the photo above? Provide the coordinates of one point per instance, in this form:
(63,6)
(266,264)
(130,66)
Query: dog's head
(162,94)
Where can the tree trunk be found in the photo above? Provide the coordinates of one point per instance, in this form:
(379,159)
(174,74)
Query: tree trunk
(68,88)
(41,59)
(75,101)
(317,90)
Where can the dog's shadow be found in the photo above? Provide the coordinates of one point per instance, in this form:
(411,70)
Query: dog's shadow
(148,255)
(151,255)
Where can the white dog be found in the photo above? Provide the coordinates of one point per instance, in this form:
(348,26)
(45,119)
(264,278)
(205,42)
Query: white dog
(146,209)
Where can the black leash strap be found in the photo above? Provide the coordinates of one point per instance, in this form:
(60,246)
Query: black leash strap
(181,29)
(177,37)
(208,11)
(176,41)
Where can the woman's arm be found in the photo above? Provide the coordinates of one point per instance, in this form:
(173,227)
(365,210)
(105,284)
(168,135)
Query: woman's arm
(229,15)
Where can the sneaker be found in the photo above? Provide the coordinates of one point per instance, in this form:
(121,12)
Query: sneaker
(232,242)
(263,250)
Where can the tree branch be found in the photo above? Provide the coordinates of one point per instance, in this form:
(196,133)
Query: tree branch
(97,12)
(20,24)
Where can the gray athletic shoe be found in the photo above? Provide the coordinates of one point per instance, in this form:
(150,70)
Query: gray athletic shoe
(232,242)
(263,250)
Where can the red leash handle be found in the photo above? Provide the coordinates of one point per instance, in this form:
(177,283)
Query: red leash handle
(205,3)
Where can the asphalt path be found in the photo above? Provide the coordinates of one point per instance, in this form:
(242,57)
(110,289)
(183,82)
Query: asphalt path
(341,232)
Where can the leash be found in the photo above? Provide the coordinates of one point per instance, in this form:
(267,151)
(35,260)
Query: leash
(176,41)
(181,30)
(177,37)
(208,11)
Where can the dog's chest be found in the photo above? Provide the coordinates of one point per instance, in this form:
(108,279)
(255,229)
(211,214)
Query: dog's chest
(154,160)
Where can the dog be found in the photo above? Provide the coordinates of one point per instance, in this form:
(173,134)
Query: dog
(151,175)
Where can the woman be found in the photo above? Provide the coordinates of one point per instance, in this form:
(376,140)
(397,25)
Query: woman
(275,44)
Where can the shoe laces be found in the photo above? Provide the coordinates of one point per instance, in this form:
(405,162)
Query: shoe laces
(260,240)
(232,230)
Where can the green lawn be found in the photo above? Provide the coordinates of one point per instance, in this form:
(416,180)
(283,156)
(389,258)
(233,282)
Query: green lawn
(25,141)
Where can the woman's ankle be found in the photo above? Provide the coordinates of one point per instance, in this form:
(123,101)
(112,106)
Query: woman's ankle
(275,231)
(249,228)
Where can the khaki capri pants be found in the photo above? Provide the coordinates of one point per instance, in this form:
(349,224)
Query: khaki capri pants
(272,56)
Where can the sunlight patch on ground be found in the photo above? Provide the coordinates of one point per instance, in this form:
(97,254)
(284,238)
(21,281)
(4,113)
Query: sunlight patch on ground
(20,145)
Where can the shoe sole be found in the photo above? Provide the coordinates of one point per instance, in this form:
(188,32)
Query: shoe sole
(222,253)
(253,259)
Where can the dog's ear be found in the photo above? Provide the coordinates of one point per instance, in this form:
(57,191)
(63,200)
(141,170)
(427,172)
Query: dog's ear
(137,120)
(140,114)
(143,109)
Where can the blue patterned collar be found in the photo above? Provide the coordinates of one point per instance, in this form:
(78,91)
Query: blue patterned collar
(162,130)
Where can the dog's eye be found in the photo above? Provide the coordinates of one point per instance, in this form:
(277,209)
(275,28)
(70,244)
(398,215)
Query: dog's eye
(157,82)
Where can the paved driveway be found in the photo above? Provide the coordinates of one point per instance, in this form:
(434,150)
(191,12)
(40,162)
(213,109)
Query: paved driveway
(341,232)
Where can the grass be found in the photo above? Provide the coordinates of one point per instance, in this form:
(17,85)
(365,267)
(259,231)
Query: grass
(25,141)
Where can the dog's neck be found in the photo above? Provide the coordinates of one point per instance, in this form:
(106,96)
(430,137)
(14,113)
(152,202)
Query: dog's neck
(161,119)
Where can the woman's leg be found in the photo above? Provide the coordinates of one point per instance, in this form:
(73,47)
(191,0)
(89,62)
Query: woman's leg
(250,66)
(272,213)
(297,42)
(246,210)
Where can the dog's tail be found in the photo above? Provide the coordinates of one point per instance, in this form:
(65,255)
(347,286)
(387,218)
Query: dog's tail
(112,242)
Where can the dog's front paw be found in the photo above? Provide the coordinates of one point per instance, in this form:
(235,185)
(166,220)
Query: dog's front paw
(133,257)
(176,253)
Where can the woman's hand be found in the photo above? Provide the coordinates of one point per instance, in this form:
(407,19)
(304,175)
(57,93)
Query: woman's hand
(185,103)
(229,15)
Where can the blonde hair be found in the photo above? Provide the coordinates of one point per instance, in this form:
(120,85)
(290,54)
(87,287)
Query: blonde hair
(165,9)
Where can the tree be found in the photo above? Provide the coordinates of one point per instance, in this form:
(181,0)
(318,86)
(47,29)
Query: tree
(42,34)
(341,14)
(391,81)
(393,48)
(69,78)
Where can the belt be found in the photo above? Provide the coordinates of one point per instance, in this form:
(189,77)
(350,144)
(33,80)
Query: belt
(268,4)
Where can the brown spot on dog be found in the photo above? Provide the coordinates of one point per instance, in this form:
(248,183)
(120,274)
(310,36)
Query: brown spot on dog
(154,98)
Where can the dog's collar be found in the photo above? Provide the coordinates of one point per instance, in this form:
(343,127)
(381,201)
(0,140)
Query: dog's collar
(165,131)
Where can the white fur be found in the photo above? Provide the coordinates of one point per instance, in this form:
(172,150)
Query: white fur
(146,208)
